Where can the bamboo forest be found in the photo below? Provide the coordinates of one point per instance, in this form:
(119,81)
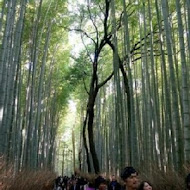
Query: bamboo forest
(94,86)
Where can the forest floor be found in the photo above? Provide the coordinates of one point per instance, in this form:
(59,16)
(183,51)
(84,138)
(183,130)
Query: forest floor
(25,180)
(28,180)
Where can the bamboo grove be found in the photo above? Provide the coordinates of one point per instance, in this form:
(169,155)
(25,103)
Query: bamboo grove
(130,81)
(31,92)
(138,94)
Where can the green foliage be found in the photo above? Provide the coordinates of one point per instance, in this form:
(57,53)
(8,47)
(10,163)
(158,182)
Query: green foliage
(78,71)
(105,66)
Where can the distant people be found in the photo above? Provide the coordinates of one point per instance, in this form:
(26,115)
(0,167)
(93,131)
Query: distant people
(74,185)
(82,182)
(90,186)
(130,177)
(145,185)
(187,182)
(1,185)
(69,184)
(65,182)
(114,185)
(58,184)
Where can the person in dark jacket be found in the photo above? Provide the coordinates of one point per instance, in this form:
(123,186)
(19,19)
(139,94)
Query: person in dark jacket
(114,185)
(187,182)
(58,184)
(100,183)
(74,185)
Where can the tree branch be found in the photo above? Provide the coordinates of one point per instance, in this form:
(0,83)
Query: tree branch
(105,81)
(80,30)
(106,18)
(97,36)
(85,86)
(88,53)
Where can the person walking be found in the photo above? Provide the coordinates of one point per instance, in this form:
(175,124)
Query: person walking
(130,177)
(145,185)
(114,185)
(187,182)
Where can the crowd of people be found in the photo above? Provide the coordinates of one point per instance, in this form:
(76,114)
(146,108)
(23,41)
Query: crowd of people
(129,176)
